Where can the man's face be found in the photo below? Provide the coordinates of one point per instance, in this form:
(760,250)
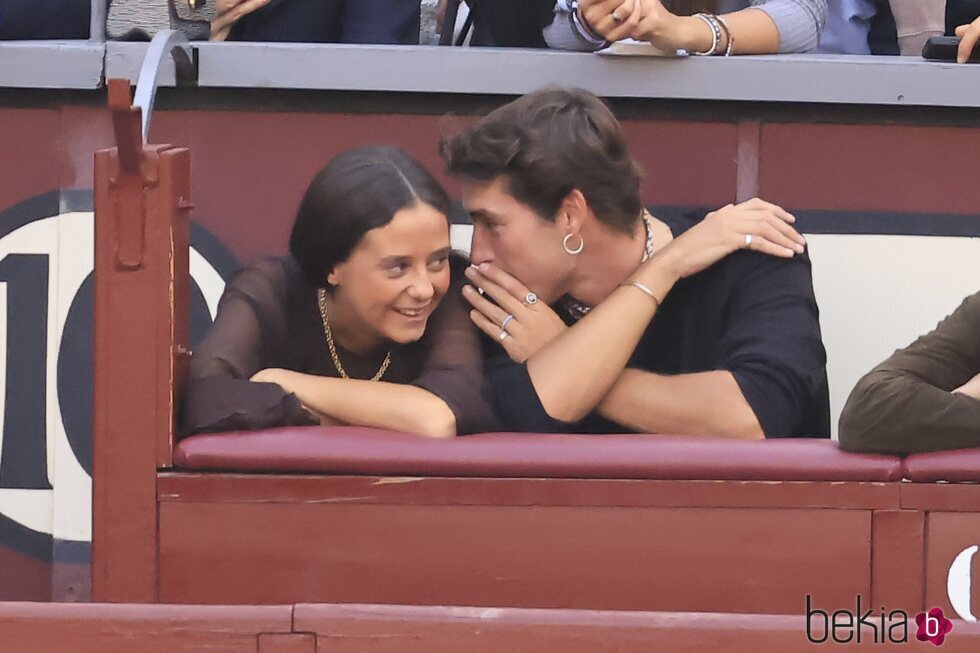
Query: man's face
(511,236)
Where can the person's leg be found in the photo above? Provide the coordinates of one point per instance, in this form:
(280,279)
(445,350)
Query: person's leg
(516,23)
(300,21)
(44,19)
(381,21)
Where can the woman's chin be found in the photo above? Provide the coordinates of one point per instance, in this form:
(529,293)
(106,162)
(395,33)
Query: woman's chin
(407,335)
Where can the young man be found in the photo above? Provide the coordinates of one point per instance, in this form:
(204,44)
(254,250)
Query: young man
(611,319)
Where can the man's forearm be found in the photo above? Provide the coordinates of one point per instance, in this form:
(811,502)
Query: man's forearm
(705,403)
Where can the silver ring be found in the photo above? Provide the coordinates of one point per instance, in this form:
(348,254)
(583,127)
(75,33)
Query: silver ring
(530,298)
(503,325)
(748,240)
(503,335)
(616,17)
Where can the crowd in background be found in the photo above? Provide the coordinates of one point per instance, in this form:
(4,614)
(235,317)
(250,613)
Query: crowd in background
(721,27)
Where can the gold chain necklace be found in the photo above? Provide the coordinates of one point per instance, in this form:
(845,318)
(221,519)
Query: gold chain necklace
(321,296)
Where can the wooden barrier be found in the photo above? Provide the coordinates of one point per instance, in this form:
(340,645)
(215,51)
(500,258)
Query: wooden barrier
(758,544)
(141,286)
(114,628)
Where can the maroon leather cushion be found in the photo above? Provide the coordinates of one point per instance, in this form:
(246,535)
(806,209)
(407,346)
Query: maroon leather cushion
(349,450)
(957,465)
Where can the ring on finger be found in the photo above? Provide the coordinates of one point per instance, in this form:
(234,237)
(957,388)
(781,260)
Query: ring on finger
(616,17)
(503,335)
(530,298)
(503,325)
(748,241)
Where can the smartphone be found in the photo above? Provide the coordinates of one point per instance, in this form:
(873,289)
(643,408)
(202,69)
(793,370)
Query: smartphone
(943,48)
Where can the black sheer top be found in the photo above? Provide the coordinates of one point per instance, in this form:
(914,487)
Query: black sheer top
(268,317)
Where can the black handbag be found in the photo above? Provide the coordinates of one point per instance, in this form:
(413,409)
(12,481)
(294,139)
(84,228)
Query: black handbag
(140,20)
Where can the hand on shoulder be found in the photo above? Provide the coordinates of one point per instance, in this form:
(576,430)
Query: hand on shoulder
(754,224)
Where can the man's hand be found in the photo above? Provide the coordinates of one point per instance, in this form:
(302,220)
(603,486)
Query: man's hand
(230,12)
(532,324)
(969,35)
(971,388)
(754,224)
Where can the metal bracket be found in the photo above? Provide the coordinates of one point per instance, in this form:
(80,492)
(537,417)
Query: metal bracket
(166,43)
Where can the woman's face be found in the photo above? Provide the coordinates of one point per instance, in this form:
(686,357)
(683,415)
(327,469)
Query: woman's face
(395,277)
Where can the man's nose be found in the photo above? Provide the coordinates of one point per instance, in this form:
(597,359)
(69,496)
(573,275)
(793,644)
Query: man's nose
(480,251)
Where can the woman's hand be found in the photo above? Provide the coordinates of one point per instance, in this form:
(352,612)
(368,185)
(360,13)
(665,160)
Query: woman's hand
(269,375)
(613,20)
(755,224)
(286,379)
(658,26)
(533,324)
(229,12)
(969,35)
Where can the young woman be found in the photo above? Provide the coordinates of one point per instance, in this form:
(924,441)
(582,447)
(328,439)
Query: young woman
(358,325)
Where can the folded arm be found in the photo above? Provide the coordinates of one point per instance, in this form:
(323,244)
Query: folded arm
(706,403)
(394,406)
(919,398)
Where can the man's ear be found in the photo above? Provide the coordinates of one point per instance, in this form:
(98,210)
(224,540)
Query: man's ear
(574,211)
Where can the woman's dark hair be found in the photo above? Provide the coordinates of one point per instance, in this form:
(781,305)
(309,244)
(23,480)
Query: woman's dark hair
(544,145)
(357,191)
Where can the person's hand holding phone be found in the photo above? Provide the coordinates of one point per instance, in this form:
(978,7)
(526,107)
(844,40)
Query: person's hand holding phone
(969,35)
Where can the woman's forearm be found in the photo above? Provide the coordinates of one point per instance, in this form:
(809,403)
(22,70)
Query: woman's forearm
(572,373)
(394,406)
(797,24)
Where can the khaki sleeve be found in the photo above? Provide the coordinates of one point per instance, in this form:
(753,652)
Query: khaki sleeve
(905,405)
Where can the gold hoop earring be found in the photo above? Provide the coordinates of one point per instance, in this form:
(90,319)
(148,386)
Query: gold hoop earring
(570,251)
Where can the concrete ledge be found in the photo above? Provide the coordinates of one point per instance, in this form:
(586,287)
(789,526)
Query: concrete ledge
(497,71)
(51,64)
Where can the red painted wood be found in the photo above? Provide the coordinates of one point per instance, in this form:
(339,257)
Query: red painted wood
(29,152)
(685,163)
(291,643)
(258,180)
(941,497)
(873,167)
(140,227)
(898,560)
(24,578)
(726,560)
(402,629)
(947,534)
(101,628)
(237,488)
